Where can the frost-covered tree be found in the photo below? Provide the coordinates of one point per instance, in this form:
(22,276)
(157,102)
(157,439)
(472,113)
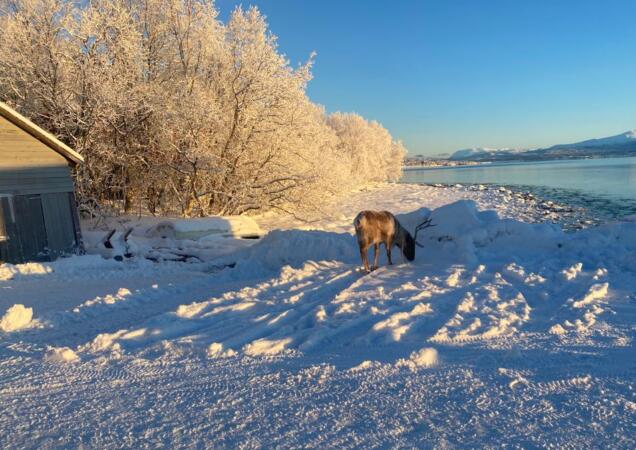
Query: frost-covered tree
(370,152)
(74,72)
(176,112)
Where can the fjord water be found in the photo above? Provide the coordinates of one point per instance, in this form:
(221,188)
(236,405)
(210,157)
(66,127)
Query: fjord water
(608,184)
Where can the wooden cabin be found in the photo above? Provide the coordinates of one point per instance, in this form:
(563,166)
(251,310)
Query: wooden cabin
(38,212)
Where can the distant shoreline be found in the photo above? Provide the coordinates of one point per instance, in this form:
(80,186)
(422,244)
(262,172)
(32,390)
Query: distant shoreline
(441,164)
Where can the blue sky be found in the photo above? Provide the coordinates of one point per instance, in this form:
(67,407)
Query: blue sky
(449,74)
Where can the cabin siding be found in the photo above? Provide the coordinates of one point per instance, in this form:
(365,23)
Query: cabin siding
(43,180)
(30,226)
(10,248)
(20,150)
(38,227)
(38,215)
(59,223)
(27,166)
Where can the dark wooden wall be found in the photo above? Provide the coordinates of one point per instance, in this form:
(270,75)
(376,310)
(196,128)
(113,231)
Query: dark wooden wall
(38,227)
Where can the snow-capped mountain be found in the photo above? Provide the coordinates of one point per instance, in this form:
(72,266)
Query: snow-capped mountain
(481,152)
(627,138)
(620,144)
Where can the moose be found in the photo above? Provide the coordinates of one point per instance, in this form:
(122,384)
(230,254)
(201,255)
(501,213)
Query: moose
(381,227)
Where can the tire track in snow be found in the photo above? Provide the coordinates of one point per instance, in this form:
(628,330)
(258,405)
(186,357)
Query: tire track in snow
(181,401)
(107,314)
(264,307)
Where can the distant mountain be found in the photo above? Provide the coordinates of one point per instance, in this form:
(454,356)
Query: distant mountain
(620,140)
(620,145)
(482,152)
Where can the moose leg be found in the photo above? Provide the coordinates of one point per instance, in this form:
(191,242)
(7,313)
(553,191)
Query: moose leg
(389,246)
(376,251)
(364,255)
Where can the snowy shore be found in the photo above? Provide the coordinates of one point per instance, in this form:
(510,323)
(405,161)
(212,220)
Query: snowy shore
(503,331)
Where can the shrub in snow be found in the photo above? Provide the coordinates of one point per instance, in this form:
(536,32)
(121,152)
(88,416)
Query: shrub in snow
(15,318)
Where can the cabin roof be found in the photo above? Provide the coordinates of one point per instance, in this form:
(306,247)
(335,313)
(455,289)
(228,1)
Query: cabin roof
(43,136)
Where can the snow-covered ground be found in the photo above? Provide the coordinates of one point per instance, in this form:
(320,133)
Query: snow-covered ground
(500,333)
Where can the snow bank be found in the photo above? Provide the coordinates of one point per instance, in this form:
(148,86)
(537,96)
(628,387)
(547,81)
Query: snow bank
(572,272)
(74,266)
(106,342)
(208,227)
(10,271)
(60,355)
(267,347)
(584,312)
(426,357)
(460,229)
(557,329)
(217,350)
(595,293)
(366,365)
(16,318)
(295,247)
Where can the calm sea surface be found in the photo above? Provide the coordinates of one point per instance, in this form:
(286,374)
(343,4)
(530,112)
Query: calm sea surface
(607,184)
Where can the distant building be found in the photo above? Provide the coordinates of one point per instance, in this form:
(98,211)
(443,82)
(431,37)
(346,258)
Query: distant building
(38,213)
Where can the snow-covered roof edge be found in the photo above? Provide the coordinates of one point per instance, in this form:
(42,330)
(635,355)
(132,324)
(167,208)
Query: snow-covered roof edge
(43,136)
